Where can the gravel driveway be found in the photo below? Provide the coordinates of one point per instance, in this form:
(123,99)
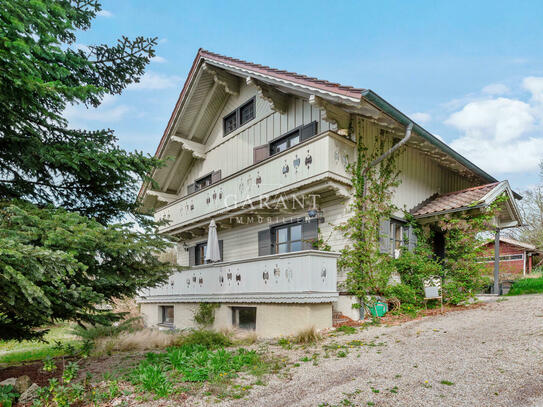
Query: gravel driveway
(488,356)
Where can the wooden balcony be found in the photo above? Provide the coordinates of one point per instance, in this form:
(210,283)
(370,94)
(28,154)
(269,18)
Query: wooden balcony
(300,277)
(311,167)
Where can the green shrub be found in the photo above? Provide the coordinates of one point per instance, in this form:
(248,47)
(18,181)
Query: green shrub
(527,286)
(405,294)
(414,268)
(205,315)
(151,377)
(206,338)
(8,395)
(194,363)
(91,333)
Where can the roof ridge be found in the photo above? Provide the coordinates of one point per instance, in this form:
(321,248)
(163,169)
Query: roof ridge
(295,75)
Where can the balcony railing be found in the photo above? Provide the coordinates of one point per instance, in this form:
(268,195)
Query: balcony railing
(300,277)
(322,157)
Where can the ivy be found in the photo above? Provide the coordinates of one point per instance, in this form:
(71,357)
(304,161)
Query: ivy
(367,269)
(205,315)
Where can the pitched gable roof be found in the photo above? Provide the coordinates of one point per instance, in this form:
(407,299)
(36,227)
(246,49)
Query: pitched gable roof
(453,201)
(300,79)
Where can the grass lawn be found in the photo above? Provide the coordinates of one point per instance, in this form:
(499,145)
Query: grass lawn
(14,351)
(527,286)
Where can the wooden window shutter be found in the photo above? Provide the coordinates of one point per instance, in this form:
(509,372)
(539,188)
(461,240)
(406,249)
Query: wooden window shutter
(260,153)
(216,176)
(308,131)
(412,242)
(221,250)
(191,188)
(264,242)
(192,256)
(384,236)
(310,234)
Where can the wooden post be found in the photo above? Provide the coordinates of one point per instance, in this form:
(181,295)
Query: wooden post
(497,262)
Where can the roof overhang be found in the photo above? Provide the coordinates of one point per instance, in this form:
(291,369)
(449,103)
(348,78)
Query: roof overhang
(507,216)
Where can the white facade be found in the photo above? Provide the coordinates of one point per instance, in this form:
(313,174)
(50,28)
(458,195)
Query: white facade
(247,196)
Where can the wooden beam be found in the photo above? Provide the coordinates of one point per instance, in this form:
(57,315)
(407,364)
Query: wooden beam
(230,82)
(332,113)
(162,196)
(202,110)
(173,170)
(197,149)
(277,99)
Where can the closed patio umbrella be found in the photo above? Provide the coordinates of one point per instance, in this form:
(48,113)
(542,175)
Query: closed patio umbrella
(213,252)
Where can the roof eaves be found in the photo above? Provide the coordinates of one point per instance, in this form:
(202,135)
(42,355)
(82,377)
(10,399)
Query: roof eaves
(452,210)
(403,119)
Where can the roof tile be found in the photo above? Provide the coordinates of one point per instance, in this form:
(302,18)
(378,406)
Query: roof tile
(453,200)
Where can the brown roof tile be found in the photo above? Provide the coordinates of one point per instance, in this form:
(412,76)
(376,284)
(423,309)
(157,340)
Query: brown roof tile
(282,74)
(453,200)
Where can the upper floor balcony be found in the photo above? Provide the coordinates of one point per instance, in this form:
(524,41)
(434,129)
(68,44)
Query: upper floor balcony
(311,167)
(308,276)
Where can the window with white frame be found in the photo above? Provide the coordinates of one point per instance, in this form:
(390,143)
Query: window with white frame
(398,231)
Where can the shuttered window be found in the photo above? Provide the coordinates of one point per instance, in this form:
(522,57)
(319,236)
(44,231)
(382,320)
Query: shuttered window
(293,138)
(242,115)
(395,235)
(204,182)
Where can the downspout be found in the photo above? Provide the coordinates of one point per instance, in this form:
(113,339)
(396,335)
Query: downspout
(386,154)
(373,164)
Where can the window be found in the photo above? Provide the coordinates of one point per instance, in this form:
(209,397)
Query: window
(508,257)
(202,182)
(398,230)
(166,312)
(285,142)
(247,112)
(287,238)
(201,249)
(293,138)
(244,317)
(239,117)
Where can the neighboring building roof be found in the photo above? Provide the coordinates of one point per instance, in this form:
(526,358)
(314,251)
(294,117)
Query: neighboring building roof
(453,201)
(514,242)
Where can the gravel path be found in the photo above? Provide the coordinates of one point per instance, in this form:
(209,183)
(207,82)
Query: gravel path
(488,356)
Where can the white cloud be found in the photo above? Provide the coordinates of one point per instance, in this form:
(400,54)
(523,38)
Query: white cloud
(495,89)
(521,156)
(159,60)
(105,13)
(534,85)
(421,117)
(502,119)
(77,115)
(499,134)
(155,81)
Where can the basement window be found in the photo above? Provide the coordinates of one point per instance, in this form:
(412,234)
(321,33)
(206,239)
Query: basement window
(244,318)
(166,312)
(242,115)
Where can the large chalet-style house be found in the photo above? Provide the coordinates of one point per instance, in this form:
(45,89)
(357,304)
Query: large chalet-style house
(263,153)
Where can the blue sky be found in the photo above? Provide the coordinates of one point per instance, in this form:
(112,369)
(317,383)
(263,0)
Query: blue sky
(470,72)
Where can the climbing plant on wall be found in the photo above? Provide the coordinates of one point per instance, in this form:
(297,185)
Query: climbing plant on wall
(367,268)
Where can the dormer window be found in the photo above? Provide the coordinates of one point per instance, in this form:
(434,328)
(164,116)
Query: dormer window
(242,115)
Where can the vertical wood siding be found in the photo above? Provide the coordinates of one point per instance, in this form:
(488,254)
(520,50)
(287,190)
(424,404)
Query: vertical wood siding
(235,151)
